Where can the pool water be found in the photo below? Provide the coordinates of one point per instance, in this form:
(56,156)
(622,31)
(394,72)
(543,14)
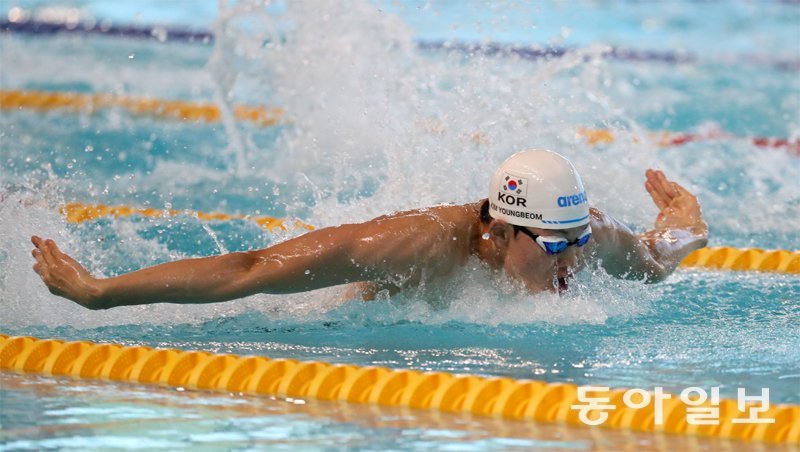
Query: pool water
(374,124)
(86,415)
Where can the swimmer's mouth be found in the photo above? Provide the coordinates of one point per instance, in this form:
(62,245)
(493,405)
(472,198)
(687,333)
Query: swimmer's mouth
(563,281)
(562,285)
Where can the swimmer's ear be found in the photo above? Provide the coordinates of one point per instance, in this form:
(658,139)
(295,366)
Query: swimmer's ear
(500,233)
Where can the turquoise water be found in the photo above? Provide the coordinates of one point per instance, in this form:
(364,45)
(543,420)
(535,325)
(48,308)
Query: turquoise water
(377,125)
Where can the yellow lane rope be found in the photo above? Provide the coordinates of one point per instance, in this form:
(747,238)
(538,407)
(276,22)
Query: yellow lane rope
(741,259)
(745,259)
(262,116)
(174,109)
(503,397)
(78,213)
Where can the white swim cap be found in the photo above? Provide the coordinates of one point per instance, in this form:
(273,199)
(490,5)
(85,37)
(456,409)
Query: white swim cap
(539,189)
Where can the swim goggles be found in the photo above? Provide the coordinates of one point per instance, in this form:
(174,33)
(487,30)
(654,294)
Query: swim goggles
(555,245)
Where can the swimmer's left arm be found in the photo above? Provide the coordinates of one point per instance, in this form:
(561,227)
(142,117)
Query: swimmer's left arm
(655,254)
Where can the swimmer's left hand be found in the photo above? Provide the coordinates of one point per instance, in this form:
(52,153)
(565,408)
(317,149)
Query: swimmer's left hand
(678,208)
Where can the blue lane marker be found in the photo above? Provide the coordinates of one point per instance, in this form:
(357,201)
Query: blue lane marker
(491,49)
(121,31)
(532,53)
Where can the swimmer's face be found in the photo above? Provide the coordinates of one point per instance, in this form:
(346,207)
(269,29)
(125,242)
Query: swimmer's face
(526,261)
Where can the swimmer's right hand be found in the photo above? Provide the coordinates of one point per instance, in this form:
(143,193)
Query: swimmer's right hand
(63,275)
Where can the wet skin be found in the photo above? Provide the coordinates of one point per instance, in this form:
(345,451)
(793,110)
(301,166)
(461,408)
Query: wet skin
(562,266)
(394,252)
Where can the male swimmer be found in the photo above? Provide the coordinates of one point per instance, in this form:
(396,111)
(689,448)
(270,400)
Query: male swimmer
(536,228)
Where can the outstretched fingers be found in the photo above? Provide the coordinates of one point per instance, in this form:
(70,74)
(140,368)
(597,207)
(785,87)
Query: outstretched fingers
(39,253)
(40,267)
(55,251)
(46,253)
(657,197)
(653,187)
(667,186)
(37,241)
(681,190)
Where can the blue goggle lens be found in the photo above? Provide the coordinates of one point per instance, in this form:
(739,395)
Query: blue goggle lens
(555,247)
(561,245)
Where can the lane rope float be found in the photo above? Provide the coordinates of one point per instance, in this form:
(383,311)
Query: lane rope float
(525,400)
(19,22)
(173,109)
(744,259)
(715,258)
(79,213)
(271,116)
(667,139)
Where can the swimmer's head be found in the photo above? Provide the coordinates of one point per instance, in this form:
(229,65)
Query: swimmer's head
(539,189)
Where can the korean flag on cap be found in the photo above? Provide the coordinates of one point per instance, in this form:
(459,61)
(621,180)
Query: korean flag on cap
(515,185)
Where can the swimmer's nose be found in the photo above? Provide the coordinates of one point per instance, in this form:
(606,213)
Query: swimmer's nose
(568,258)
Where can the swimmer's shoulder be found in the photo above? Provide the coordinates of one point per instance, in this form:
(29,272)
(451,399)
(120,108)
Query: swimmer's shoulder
(436,230)
(449,213)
